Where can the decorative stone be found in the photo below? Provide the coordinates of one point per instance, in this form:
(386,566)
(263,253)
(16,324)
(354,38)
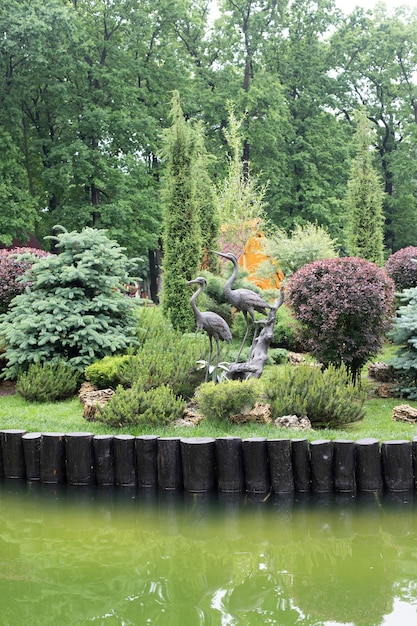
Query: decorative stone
(293,421)
(93,400)
(261,413)
(404,413)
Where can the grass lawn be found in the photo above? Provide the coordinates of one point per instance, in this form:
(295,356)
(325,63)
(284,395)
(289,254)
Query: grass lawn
(66,417)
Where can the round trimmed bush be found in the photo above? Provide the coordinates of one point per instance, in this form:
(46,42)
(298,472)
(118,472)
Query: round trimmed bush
(13,264)
(345,308)
(402,268)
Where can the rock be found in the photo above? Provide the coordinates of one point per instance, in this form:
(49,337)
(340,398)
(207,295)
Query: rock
(85,389)
(92,400)
(404,413)
(260,413)
(293,421)
(381,371)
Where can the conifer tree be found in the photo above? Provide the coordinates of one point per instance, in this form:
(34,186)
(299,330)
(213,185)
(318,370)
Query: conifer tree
(364,232)
(182,231)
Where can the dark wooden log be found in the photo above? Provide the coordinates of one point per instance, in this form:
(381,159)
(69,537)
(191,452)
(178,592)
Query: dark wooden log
(103,447)
(198,463)
(169,463)
(256,463)
(13,458)
(32,455)
(80,458)
(146,460)
(397,465)
(300,456)
(280,465)
(414,449)
(254,366)
(53,458)
(230,468)
(368,465)
(124,460)
(344,465)
(321,465)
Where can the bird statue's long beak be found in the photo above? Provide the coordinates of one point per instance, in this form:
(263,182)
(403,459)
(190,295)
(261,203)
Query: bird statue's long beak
(218,253)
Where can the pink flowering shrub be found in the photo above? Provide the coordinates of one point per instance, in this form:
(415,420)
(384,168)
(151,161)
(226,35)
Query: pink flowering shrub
(345,307)
(401,267)
(12,267)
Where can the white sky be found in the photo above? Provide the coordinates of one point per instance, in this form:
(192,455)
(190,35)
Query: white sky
(347,6)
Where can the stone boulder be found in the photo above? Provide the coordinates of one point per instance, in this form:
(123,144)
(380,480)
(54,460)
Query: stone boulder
(404,413)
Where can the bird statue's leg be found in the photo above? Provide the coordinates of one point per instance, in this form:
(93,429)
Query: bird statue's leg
(244,338)
(255,334)
(209,359)
(217,359)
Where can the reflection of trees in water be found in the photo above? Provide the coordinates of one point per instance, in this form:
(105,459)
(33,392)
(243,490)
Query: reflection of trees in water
(276,562)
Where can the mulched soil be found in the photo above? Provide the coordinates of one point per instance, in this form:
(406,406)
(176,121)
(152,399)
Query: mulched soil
(7,388)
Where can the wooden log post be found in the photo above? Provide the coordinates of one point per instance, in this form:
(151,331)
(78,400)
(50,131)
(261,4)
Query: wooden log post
(124,460)
(344,465)
(397,465)
(368,465)
(300,456)
(80,458)
(280,465)
(321,465)
(53,458)
(256,463)
(13,458)
(198,463)
(147,461)
(169,463)
(103,447)
(32,454)
(230,467)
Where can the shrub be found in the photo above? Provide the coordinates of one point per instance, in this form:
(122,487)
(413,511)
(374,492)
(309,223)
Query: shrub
(404,335)
(286,330)
(106,372)
(307,243)
(402,268)
(134,407)
(47,382)
(345,308)
(220,402)
(14,264)
(74,310)
(328,398)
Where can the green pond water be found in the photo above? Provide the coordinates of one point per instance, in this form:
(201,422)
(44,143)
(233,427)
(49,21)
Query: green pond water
(72,556)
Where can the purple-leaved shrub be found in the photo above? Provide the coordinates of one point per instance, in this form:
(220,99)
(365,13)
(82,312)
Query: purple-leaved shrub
(402,268)
(345,308)
(12,267)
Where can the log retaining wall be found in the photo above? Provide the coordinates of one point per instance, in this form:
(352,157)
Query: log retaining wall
(205,464)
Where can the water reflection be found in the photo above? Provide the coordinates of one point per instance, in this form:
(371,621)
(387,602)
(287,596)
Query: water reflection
(75,555)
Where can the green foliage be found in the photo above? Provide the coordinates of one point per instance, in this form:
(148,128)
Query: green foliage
(404,336)
(344,307)
(286,330)
(221,401)
(106,372)
(164,357)
(47,382)
(306,243)
(365,221)
(328,398)
(74,310)
(135,407)
(182,228)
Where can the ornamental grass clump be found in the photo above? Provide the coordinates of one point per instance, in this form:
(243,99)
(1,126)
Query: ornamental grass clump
(48,382)
(327,397)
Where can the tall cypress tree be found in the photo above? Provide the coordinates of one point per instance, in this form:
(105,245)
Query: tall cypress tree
(364,197)
(182,231)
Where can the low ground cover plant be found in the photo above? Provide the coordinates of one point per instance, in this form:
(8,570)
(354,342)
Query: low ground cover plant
(48,382)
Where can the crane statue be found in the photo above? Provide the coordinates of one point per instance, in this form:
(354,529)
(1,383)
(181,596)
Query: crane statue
(215,326)
(244,300)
